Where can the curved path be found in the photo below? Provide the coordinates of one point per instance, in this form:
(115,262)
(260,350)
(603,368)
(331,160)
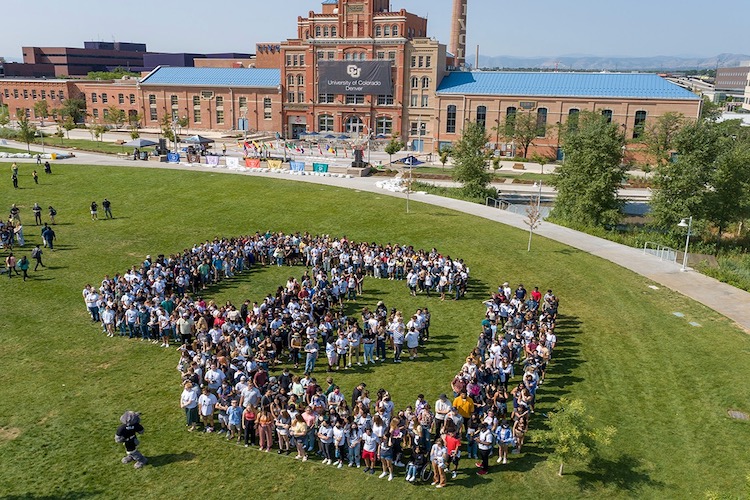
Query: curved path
(725,299)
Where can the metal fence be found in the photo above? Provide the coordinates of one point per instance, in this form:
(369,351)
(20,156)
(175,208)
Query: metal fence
(662,252)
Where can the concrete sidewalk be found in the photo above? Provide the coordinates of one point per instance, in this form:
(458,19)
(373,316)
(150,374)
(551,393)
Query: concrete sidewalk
(725,299)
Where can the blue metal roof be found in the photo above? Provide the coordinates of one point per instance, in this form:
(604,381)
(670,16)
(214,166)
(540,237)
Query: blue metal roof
(215,77)
(538,84)
(330,2)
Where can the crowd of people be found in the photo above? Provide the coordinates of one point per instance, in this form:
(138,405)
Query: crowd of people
(229,356)
(12,235)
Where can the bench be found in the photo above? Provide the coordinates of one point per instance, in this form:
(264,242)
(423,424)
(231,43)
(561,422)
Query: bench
(519,166)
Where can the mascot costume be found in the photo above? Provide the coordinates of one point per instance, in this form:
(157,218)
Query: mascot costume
(126,433)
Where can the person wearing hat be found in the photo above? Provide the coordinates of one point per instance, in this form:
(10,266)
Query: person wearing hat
(186,328)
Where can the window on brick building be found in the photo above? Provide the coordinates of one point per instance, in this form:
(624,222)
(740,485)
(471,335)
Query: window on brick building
(378,31)
(152,99)
(334,33)
(392,56)
(152,114)
(104,98)
(320,55)
(425,82)
(243,103)
(220,116)
(414,99)
(607,114)
(425,101)
(33,93)
(541,122)
(385,100)
(384,125)
(450,120)
(331,56)
(267,109)
(290,80)
(300,79)
(573,119)
(394,30)
(290,97)
(381,55)
(25,94)
(414,82)
(325,123)
(197,115)
(413,61)
(94,98)
(413,128)
(326,98)
(639,124)
(300,97)
(96,113)
(386,30)
(482,116)
(355,99)
(427,61)
(325,31)
(60,95)
(120,98)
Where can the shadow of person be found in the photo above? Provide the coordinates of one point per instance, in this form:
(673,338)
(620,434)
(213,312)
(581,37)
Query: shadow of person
(169,458)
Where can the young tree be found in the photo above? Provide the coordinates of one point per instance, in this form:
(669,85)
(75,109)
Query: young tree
(4,115)
(98,130)
(469,159)
(68,124)
(166,127)
(710,111)
(444,154)
(587,183)
(572,433)
(541,159)
(41,109)
(115,116)
(521,128)
(75,108)
(659,136)
(394,146)
(60,133)
(26,130)
(533,216)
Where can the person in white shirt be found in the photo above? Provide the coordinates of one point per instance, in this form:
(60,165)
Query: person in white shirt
(412,343)
(189,402)
(108,320)
(484,441)
(206,405)
(354,337)
(340,442)
(325,435)
(342,346)
(370,444)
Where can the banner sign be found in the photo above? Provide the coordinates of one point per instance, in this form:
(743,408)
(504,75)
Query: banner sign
(232,162)
(320,167)
(297,166)
(252,162)
(173,157)
(355,77)
(274,163)
(193,158)
(212,160)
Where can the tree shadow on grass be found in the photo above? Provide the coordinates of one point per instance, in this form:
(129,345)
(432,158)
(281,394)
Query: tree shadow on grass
(169,458)
(71,495)
(624,473)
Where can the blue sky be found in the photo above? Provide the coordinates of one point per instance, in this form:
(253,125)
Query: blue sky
(522,28)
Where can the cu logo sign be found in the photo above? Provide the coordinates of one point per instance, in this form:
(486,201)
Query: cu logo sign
(353,70)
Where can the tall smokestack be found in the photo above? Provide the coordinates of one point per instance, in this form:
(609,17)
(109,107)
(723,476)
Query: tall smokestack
(458,32)
(476,60)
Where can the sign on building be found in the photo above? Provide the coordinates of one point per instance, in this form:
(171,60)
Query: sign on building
(355,77)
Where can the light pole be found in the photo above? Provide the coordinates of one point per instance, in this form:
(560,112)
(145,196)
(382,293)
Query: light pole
(407,163)
(689,226)
(534,214)
(41,134)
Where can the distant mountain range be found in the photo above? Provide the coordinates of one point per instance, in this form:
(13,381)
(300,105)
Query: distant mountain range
(594,63)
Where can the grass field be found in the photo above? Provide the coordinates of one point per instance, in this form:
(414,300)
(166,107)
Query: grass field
(665,385)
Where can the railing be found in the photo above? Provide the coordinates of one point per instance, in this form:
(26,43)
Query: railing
(661,251)
(497,203)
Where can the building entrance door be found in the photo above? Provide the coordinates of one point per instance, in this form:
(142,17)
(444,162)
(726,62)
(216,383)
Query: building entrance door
(354,125)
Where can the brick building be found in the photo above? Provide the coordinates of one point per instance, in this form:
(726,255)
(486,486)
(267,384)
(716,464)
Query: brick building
(212,98)
(22,93)
(73,61)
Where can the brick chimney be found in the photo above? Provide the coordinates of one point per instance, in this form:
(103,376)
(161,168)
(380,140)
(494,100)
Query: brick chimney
(458,32)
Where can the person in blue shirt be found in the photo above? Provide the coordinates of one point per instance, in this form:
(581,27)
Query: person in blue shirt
(234,417)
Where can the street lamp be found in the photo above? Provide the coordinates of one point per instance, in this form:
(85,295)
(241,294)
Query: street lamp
(688,223)
(534,214)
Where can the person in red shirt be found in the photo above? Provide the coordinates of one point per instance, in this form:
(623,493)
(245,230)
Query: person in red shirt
(453,445)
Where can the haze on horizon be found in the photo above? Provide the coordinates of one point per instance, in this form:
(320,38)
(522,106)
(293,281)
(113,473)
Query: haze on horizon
(534,28)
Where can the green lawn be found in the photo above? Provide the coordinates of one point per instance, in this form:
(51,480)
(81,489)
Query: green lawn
(85,145)
(5,149)
(665,385)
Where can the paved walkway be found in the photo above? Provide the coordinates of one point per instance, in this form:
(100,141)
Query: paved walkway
(725,299)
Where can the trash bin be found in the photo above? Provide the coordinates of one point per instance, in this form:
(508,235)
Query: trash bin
(144,155)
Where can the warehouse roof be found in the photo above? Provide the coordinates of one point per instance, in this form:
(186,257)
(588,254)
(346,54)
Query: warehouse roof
(533,84)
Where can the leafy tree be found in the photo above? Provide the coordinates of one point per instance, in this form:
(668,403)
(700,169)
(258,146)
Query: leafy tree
(75,108)
(444,154)
(521,128)
(60,133)
(710,111)
(68,124)
(98,130)
(41,109)
(115,74)
(469,159)
(26,130)
(726,199)
(115,116)
(680,186)
(166,127)
(4,116)
(394,146)
(587,183)
(541,159)
(572,433)
(660,133)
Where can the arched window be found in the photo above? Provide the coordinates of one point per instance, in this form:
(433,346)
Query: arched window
(317,32)
(482,115)
(510,121)
(414,82)
(325,123)
(607,114)
(386,30)
(333,31)
(300,79)
(394,30)
(573,119)
(290,80)
(425,82)
(325,31)
(639,124)
(353,125)
(450,120)
(541,122)
(384,125)
(378,31)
